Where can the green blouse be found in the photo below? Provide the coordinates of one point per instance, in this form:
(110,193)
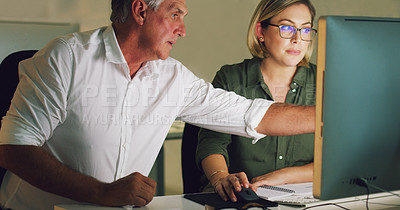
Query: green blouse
(272,152)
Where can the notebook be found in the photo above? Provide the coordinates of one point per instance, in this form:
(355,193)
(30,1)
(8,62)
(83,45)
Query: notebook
(275,192)
(299,194)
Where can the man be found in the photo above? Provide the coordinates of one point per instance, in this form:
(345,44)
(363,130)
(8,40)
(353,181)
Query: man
(92,110)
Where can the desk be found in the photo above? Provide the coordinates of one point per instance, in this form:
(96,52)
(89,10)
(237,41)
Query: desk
(159,202)
(178,202)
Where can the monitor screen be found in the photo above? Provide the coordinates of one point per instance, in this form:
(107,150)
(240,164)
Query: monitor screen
(357,132)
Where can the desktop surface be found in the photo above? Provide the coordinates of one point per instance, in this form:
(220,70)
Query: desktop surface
(376,202)
(158,202)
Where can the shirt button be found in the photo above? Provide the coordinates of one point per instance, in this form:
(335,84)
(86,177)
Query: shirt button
(294,83)
(293,90)
(280,157)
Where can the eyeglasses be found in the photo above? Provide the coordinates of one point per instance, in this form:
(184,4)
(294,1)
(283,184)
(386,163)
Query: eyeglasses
(288,32)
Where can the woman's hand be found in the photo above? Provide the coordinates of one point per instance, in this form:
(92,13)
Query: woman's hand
(216,170)
(289,175)
(224,184)
(278,177)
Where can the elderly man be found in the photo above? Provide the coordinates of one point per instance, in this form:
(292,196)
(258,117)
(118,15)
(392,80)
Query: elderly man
(92,110)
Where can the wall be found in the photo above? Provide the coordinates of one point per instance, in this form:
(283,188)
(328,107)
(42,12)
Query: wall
(216,29)
(88,13)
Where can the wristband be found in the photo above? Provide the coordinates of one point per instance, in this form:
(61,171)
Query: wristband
(215,172)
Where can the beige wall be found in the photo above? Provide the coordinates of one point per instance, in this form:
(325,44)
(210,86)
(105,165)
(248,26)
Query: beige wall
(89,13)
(216,29)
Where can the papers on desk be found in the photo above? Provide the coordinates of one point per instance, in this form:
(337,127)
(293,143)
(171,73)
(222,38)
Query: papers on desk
(275,192)
(290,194)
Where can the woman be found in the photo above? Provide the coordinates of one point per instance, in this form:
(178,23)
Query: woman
(280,38)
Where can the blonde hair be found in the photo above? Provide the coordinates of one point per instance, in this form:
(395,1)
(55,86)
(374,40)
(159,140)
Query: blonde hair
(266,10)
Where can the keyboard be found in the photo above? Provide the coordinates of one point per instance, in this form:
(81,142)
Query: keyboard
(298,200)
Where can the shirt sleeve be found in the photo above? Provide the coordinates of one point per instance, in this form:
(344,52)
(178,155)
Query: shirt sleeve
(211,143)
(219,110)
(39,102)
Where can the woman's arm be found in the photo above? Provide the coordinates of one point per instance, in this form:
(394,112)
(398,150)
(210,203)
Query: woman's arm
(289,175)
(215,169)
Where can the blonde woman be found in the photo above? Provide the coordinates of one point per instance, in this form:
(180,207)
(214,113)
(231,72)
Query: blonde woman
(280,38)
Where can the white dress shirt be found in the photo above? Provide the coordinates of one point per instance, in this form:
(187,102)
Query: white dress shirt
(77,100)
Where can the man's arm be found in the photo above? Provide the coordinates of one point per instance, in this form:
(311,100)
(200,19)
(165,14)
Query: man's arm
(39,168)
(286,119)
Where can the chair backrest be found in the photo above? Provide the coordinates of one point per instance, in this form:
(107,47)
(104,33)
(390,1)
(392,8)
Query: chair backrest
(191,174)
(8,83)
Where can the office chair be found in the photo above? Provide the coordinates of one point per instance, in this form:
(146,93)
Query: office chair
(8,83)
(191,174)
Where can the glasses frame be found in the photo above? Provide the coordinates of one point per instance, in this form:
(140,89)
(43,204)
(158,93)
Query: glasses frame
(297,29)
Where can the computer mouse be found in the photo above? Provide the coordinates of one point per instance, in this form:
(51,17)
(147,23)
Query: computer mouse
(246,195)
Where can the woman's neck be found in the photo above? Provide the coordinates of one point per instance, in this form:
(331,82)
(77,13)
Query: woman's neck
(277,78)
(276,74)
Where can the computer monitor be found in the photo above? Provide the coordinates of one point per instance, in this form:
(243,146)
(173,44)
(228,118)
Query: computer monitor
(357,132)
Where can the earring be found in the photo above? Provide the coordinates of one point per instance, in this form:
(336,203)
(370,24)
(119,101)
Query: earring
(261,38)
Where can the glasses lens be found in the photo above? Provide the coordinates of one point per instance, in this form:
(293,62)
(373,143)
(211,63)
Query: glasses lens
(307,34)
(287,31)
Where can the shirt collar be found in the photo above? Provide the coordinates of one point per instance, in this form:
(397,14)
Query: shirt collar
(148,71)
(254,75)
(300,76)
(113,51)
(115,55)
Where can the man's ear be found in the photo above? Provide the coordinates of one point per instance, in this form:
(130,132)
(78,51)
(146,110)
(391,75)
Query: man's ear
(139,11)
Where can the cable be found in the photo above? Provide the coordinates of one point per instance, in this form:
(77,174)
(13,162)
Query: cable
(383,204)
(326,204)
(366,202)
(378,188)
(363,183)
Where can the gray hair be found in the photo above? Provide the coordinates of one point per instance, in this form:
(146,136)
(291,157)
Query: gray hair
(122,8)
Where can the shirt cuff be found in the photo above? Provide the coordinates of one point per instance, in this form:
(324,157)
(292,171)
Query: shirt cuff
(254,116)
